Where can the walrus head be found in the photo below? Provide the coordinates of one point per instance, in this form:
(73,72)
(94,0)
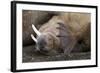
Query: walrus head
(44,42)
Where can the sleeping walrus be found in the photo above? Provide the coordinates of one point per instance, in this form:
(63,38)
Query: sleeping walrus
(62,33)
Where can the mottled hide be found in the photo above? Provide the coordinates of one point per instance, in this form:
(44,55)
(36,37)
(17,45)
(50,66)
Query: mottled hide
(63,32)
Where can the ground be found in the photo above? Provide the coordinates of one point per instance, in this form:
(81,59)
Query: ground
(29,55)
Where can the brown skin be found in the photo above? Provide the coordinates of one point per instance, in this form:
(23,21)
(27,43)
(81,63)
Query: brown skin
(72,26)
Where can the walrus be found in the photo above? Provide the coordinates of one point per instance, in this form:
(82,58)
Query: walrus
(62,33)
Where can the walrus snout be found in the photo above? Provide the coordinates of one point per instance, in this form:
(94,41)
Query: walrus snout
(41,45)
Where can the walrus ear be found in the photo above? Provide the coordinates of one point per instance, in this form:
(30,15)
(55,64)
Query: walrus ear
(33,38)
(35,30)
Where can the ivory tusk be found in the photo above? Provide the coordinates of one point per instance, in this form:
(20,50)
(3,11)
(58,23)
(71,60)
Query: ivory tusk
(35,30)
(33,38)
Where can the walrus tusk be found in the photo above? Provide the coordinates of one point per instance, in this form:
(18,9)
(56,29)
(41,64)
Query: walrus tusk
(34,38)
(35,30)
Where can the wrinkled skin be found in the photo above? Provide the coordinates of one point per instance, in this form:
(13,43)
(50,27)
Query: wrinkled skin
(62,32)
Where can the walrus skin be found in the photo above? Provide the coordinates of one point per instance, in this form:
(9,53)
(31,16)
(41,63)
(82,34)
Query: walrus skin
(62,32)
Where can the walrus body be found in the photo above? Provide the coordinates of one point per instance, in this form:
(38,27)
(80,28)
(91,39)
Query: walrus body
(62,32)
